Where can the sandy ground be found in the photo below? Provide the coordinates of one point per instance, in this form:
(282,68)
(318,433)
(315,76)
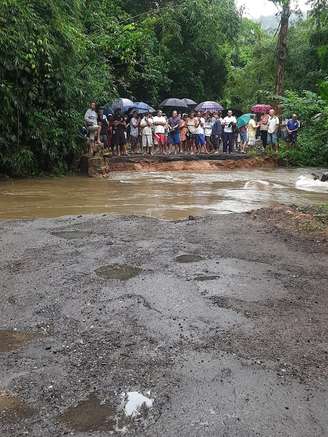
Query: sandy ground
(221,323)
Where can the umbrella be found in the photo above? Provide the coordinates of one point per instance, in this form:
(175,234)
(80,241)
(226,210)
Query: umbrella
(259,108)
(108,110)
(209,106)
(122,104)
(189,102)
(174,103)
(243,120)
(142,108)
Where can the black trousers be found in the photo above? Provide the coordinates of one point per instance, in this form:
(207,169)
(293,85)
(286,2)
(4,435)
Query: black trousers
(264,138)
(228,142)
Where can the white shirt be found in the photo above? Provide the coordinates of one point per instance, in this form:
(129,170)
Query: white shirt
(273,124)
(208,128)
(146,125)
(191,125)
(134,127)
(227,121)
(159,123)
(200,128)
(91,117)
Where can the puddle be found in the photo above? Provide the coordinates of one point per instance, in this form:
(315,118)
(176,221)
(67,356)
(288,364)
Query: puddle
(136,404)
(203,278)
(12,408)
(123,272)
(90,415)
(12,340)
(189,258)
(71,235)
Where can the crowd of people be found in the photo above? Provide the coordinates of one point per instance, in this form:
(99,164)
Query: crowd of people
(193,133)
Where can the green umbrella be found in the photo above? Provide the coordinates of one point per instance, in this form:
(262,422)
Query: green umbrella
(243,120)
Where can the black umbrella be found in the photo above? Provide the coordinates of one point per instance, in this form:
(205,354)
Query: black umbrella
(174,103)
(189,102)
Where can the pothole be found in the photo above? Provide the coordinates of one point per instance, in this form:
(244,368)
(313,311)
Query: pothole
(11,340)
(122,272)
(203,278)
(12,408)
(189,258)
(92,415)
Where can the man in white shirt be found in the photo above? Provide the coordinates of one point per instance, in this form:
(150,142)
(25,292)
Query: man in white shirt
(200,132)
(273,126)
(160,123)
(147,133)
(229,124)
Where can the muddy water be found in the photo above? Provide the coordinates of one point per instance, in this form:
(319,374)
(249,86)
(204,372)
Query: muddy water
(167,195)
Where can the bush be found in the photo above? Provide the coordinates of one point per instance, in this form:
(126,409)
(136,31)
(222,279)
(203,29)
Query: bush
(312,147)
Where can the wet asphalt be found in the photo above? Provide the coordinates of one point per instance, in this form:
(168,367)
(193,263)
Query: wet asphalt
(221,322)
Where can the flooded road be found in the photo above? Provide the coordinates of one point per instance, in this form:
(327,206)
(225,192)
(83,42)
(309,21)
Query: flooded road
(166,195)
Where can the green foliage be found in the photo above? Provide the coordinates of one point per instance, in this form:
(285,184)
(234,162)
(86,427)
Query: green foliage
(57,55)
(312,148)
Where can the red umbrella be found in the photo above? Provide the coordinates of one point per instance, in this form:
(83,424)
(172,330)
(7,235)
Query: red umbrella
(259,108)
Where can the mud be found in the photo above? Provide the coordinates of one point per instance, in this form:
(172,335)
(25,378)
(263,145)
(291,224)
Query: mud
(230,342)
(11,340)
(117,271)
(179,163)
(13,409)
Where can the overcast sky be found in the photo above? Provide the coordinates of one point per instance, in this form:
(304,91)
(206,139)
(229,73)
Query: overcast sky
(256,8)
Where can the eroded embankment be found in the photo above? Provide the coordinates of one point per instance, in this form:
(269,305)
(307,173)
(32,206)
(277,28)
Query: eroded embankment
(218,325)
(101,166)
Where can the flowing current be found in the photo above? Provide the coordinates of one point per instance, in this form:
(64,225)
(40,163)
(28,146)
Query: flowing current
(165,195)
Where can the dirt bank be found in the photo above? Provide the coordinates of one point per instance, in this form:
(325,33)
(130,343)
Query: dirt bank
(220,323)
(103,166)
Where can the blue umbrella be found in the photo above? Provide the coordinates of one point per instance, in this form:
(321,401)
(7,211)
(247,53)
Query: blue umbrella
(143,108)
(123,105)
(243,120)
(209,106)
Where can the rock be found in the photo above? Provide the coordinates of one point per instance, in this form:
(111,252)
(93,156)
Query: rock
(324,177)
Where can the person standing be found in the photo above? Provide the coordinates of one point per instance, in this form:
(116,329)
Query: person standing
(147,133)
(216,133)
(243,138)
(191,124)
(174,135)
(119,133)
(200,133)
(293,126)
(251,131)
(273,126)
(183,133)
(229,123)
(208,132)
(103,123)
(134,132)
(264,124)
(160,123)
(91,123)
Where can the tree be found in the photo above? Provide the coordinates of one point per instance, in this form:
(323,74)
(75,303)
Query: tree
(282,48)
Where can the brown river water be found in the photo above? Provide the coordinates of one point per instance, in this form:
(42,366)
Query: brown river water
(165,195)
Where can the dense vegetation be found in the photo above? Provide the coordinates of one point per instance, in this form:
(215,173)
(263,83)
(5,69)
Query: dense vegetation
(57,55)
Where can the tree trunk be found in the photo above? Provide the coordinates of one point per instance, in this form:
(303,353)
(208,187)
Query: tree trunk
(282,49)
